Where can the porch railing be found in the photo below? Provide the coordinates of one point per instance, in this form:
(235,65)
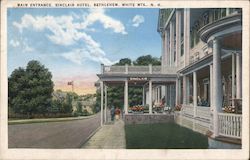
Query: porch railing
(156,70)
(230,125)
(138,70)
(188,110)
(203,112)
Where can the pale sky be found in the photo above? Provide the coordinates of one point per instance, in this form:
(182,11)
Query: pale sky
(72,43)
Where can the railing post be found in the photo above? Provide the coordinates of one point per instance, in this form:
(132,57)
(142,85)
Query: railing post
(126,68)
(150,68)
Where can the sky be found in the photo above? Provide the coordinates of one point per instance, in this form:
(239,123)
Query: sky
(73,43)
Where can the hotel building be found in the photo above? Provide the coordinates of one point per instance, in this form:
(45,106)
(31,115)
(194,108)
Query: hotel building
(200,73)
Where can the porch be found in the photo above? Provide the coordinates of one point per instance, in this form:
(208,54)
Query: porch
(152,81)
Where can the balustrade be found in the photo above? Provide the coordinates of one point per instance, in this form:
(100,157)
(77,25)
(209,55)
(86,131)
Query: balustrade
(203,112)
(188,110)
(138,70)
(230,125)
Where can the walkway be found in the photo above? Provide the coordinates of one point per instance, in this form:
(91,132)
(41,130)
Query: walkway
(110,136)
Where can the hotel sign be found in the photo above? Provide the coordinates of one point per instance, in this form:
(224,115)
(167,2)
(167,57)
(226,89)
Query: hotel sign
(138,79)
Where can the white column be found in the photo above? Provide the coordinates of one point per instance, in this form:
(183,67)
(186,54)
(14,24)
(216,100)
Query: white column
(163,56)
(211,87)
(186,35)
(159,94)
(178,36)
(156,96)
(143,95)
(106,103)
(166,49)
(153,95)
(217,85)
(238,76)
(171,53)
(166,94)
(150,97)
(126,97)
(195,92)
(167,37)
(101,83)
(184,89)
(177,91)
(170,97)
(233,78)
(188,89)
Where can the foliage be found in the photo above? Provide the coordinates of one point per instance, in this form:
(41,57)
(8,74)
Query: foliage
(79,107)
(85,112)
(97,107)
(67,104)
(146,60)
(178,107)
(30,89)
(124,61)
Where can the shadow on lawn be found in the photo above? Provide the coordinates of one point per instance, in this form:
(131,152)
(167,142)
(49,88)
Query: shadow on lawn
(163,136)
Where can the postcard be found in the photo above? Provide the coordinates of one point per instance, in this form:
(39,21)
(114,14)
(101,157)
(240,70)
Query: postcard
(124,79)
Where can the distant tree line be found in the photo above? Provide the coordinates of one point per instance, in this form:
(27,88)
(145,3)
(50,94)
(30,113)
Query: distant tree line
(116,93)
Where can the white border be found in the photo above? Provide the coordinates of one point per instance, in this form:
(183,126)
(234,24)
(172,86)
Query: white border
(243,153)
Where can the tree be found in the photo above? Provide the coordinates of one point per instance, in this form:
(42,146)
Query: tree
(97,106)
(79,107)
(67,104)
(30,89)
(146,60)
(124,61)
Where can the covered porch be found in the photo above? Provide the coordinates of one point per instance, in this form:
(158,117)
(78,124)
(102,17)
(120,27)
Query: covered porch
(149,78)
(211,91)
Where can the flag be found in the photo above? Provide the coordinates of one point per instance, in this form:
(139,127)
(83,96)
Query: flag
(70,83)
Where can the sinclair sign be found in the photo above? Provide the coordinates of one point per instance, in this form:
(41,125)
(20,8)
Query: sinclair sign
(138,79)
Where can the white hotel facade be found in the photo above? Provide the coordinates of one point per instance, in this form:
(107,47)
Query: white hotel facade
(201,72)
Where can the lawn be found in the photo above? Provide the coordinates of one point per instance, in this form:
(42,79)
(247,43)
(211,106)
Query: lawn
(163,136)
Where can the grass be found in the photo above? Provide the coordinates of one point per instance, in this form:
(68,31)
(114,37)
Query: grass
(163,136)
